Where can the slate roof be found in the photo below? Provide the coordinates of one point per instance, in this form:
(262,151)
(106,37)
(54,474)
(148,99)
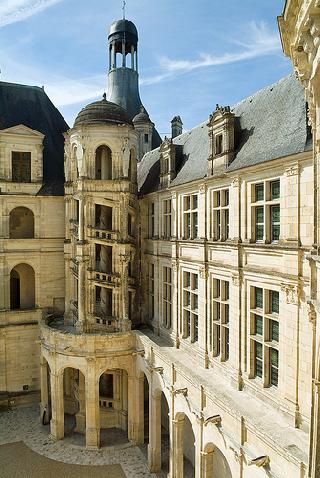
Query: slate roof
(270,124)
(30,106)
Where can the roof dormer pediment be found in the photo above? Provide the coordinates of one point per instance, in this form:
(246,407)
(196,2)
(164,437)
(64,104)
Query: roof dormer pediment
(22,130)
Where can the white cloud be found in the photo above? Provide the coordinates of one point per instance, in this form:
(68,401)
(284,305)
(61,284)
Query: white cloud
(260,41)
(12,11)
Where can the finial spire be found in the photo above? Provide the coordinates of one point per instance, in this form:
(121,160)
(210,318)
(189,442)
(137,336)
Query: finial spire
(124,9)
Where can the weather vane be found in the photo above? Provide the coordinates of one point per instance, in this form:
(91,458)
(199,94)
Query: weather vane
(124,9)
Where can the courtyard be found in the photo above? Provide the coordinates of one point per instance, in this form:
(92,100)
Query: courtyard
(26,450)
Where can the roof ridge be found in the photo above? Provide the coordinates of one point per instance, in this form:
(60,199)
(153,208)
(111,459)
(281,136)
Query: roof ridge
(21,85)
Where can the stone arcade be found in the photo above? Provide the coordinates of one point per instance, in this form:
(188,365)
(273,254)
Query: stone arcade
(173,284)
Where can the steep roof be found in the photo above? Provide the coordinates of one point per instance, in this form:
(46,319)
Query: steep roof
(30,106)
(270,124)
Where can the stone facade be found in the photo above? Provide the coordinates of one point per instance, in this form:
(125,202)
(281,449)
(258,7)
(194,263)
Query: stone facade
(299,27)
(177,298)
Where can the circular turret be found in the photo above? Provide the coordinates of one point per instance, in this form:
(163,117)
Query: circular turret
(141,117)
(102,112)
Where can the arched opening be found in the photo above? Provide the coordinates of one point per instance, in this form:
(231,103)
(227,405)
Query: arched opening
(21,223)
(22,287)
(188,449)
(113,407)
(74,405)
(220,466)
(165,434)
(103,163)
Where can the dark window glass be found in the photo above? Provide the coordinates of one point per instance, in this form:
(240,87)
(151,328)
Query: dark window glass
(274,366)
(258,360)
(274,330)
(258,325)
(21,167)
(146,138)
(274,302)
(258,298)
(275,223)
(259,223)
(275,189)
(259,192)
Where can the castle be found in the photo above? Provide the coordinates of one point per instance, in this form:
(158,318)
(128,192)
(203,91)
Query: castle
(168,288)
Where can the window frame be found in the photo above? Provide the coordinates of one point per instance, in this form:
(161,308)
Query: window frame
(264,228)
(190,216)
(220,214)
(189,326)
(219,333)
(268,317)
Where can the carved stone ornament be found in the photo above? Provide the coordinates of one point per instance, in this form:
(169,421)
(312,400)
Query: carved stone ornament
(293,170)
(203,271)
(202,189)
(235,182)
(292,293)
(312,315)
(174,264)
(236,280)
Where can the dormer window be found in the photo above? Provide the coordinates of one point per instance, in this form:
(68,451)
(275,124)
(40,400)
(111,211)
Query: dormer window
(221,133)
(219,143)
(21,167)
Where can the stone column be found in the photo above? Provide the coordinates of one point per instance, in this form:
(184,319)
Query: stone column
(132,57)
(177,451)
(81,220)
(81,415)
(57,420)
(135,410)
(154,447)
(81,292)
(207,464)
(44,404)
(92,406)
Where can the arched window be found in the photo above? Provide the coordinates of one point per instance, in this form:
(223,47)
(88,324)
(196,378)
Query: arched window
(103,163)
(21,223)
(22,287)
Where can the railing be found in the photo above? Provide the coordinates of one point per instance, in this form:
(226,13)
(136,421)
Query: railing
(104,278)
(74,227)
(102,234)
(74,267)
(105,402)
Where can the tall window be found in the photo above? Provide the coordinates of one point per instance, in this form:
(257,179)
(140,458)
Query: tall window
(21,167)
(167,218)
(190,216)
(190,306)
(221,215)
(167,297)
(150,279)
(264,316)
(219,144)
(266,211)
(151,217)
(219,333)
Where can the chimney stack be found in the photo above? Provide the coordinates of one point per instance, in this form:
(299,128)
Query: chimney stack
(176,126)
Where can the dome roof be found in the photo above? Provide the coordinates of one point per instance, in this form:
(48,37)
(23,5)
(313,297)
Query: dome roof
(141,117)
(123,26)
(102,112)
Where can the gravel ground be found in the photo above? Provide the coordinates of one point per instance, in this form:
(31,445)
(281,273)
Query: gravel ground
(32,451)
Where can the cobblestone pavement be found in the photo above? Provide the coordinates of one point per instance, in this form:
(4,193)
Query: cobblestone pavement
(23,424)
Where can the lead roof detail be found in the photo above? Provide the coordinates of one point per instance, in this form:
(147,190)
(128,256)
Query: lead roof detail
(270,124)
(30,106)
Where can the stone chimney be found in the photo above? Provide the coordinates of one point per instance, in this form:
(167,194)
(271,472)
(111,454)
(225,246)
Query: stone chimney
(176,126)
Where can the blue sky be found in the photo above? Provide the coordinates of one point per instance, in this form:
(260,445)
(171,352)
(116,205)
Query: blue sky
(192,53)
